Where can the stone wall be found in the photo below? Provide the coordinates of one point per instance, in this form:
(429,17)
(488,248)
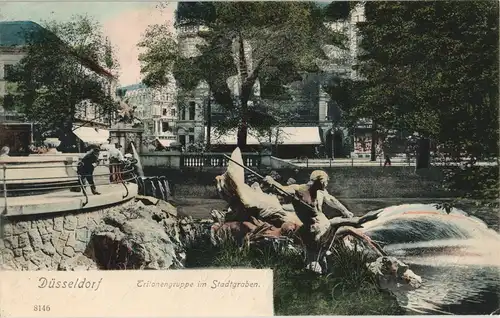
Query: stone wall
(44,242)
(143,233)
(345,182)
(171,159)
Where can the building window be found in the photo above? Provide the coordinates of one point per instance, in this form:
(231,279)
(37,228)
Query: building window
(191,139)
(165,127)
(8,102)
(182,139)
(191,130)
(183,114)
(173,112)
(192,108)
(164,112)
(7,70)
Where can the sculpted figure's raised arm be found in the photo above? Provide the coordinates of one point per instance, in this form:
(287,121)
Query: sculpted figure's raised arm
(290,189)
(323,195)
(336,204)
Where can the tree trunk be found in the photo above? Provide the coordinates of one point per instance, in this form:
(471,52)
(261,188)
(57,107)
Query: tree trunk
(67,137)
(423,153)
(373,151)
(243,126)
(245,91)
(276,141)
(67,140)
(209,118)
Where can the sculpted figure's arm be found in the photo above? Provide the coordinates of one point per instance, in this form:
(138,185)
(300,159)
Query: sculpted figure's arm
(120,155)
(334,203)
(290,189)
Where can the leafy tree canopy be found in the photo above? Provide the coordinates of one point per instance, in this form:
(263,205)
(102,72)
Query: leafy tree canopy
(63,70)
(432,68)
(243,45)
(194,13)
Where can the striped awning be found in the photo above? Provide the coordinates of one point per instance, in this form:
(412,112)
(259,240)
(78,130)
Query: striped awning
(165,142)
(91,135)
(285,136)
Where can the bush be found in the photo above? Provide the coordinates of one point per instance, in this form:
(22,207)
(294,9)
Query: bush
(349,289)
(480,183)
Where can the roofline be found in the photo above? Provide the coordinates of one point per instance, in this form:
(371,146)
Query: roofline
(134,87)
(18,21)
(84,60)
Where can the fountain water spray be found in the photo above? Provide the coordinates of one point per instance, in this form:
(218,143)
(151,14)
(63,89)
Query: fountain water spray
(456,254)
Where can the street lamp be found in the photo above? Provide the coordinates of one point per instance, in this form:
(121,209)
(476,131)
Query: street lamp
(332,134)
(333,142)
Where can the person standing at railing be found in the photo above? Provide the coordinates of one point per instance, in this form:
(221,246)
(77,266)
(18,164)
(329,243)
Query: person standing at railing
(86,168)
(4,152)
(115,163)
(130,163)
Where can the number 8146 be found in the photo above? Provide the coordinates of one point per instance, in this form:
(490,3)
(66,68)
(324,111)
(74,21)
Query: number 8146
(41,308)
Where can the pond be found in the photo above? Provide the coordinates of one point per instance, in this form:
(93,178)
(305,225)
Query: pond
(457,280)
(457,255)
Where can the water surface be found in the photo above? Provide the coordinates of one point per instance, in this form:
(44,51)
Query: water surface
(456,254)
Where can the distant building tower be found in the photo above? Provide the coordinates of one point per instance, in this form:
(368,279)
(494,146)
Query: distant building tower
(190,127)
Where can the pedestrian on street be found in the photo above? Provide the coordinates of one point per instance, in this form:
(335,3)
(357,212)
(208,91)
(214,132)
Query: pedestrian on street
(387,160)
(115,163)
(86,168)
(32,148)
(385,149)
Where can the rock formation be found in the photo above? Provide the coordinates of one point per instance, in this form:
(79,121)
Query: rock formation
(145,233)
(132,238)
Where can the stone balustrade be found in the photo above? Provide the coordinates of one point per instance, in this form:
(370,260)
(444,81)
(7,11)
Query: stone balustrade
(175,159)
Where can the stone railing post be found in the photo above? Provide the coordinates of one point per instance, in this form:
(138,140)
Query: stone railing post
(4,183)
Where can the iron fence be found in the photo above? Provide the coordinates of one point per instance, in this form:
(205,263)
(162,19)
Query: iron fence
(409,161)
(18,187)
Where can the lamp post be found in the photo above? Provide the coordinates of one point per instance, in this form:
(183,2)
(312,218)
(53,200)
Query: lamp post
(209,119)
(333,142)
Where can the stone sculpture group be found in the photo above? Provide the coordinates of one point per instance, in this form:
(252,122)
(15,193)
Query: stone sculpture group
(294,214)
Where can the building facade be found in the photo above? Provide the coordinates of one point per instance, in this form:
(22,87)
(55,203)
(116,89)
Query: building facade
(140,97)
(352,141)
(191,104)
(157,109)
(89,118)
(313,106)
(11,52)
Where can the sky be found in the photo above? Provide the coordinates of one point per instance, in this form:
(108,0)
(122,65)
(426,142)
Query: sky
(123,22)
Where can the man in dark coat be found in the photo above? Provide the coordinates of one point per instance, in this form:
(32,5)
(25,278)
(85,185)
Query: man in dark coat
(86,167)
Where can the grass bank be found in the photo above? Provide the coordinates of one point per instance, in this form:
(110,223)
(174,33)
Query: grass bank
(350,289)
(345,182)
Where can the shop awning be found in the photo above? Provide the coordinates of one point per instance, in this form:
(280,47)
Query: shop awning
(285,136)
(298,136)
(231,137)
(92,135)
(165,142)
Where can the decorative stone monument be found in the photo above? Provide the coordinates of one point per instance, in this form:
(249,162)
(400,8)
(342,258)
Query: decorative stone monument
(129,129)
